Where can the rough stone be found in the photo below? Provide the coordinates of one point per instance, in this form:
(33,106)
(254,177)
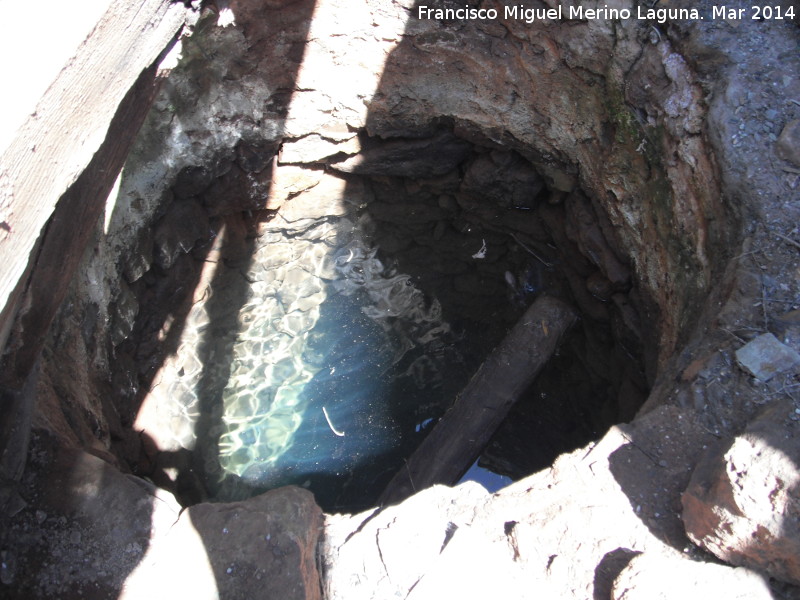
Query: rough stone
(676,578)
(184,225)
(140,257)
(261,547)
(788,145)
(254,158)
(290,181)
(191,181)
(787,328)
(534,538)
(330,196)
(315,148)
(764,357)
(125,311)
(584,229)
(505,178)
(238,190)
(742,502)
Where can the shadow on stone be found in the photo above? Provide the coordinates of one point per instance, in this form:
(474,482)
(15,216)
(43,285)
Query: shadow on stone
(609,569)
(742,501)
(651,468)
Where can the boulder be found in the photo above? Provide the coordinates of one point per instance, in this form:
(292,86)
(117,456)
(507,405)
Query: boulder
(788,144)
(663,577)
(263,547)
(504,178)
(88,530)
(742,501)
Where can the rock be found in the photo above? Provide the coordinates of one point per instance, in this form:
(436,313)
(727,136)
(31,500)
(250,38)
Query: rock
(764,357)
(742,501)
(787,327)
(584,229)
(238,190)
(788,145)
(288,182)
(86,513)
(599,287)
(140,256)
(549,535)
(504,178)
(254,158)
(315,148)
(184,225)
(191,181)
(261,547)
(410,539)
(125,309)
(416,159)
(663,577)
(330,196)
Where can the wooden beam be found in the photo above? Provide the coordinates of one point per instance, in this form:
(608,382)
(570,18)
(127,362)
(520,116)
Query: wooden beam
(69,230)
(461,434)
(72,119)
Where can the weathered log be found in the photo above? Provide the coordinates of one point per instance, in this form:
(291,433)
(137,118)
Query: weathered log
(69,230)
(53,147)
(48,162)
(458,438)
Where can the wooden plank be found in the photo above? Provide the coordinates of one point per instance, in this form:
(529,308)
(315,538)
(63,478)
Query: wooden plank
(69,231)
(35,67)
(458,438)
(56,143)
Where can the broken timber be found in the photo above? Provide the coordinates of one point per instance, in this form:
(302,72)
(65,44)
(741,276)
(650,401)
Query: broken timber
(71,120)
(54,179)
(458,438)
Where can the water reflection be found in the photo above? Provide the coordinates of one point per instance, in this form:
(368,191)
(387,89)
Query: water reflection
(337,361)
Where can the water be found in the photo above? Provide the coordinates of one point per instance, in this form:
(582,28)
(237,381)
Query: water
(334,372)
(492,482)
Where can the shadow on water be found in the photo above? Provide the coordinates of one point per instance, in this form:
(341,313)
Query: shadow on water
(372,388)
(346,430)
(170,292)
(333,406)
(375,383)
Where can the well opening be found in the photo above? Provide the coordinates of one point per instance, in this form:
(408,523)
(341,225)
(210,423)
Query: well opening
(317,343)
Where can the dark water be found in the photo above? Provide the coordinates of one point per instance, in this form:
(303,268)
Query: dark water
(369,404)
